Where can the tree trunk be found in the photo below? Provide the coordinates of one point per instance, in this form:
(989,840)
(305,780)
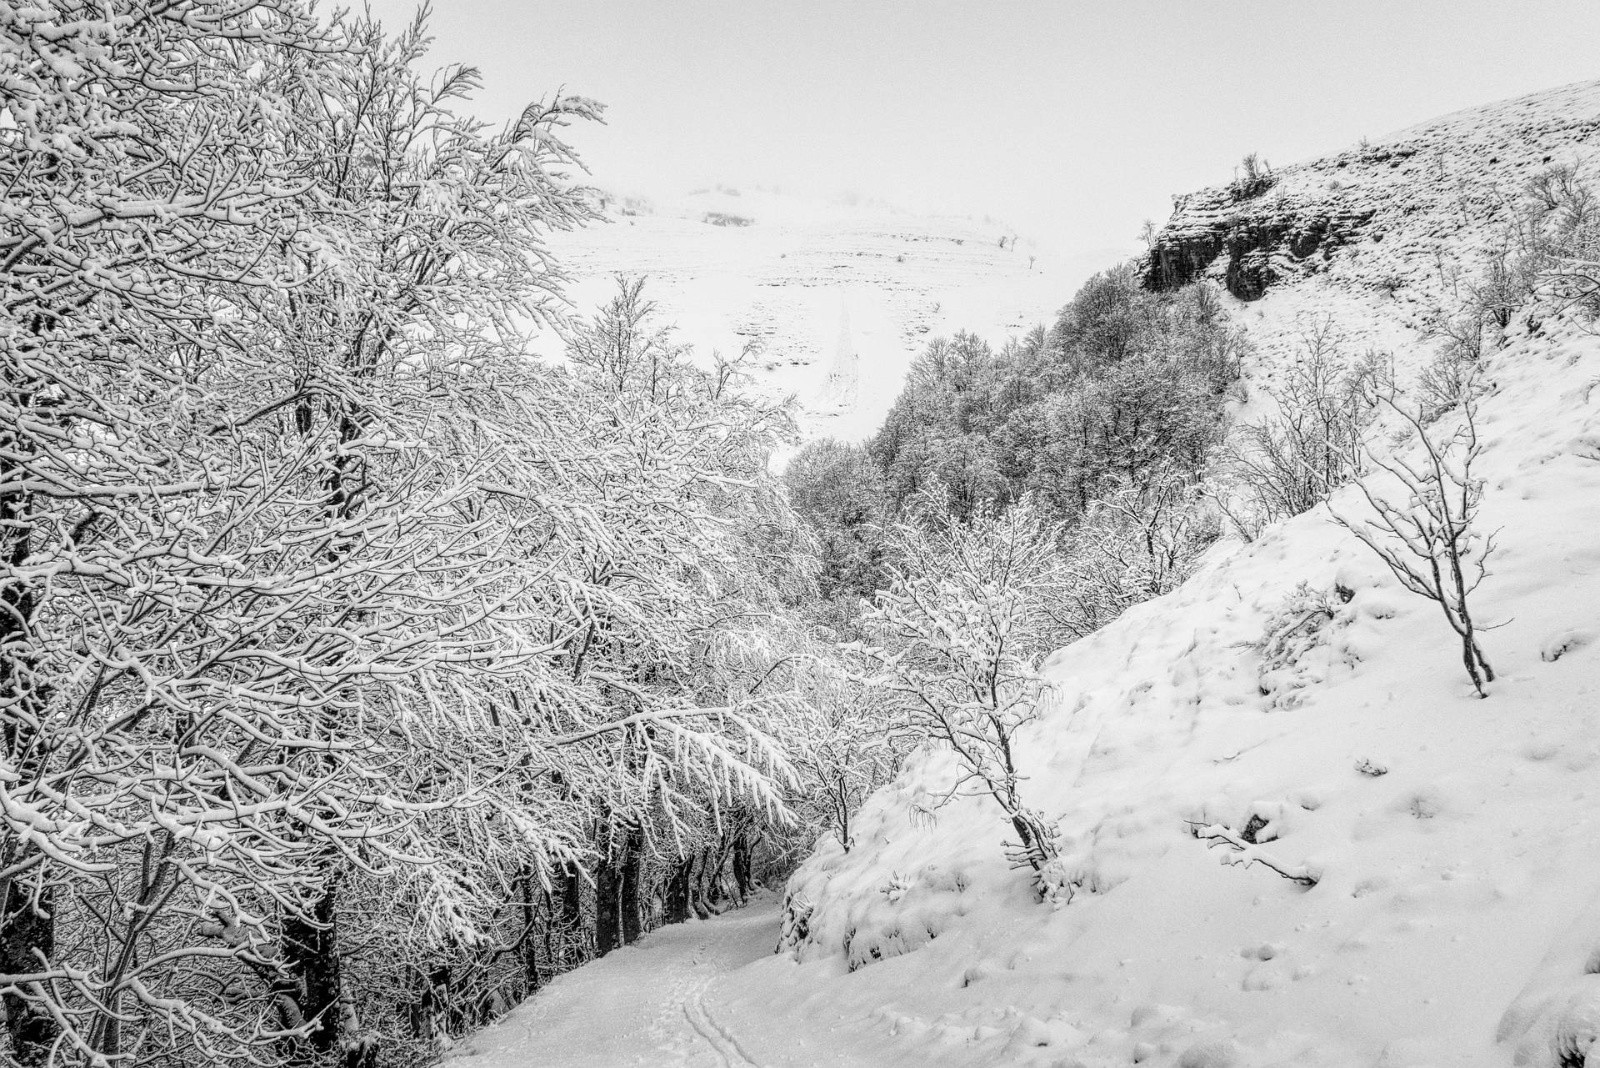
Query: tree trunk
(707,886)
(607,906)
(677,903)
(574,944)
(531,893)
(311,949)
(743,848)
(27,917)
(631,892)
(26,927)
(422,1006)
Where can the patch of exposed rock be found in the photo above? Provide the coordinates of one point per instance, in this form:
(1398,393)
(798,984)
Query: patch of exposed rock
(1250,242)
(1450,183)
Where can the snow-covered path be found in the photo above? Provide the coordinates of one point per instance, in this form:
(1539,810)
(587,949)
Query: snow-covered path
(643,1004)
(681,997)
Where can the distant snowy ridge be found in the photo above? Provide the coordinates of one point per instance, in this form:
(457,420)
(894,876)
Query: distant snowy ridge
(836,297)
(1455,916)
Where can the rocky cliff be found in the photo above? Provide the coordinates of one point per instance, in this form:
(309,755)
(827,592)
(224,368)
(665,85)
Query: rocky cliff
(1439,182)
(1251,241)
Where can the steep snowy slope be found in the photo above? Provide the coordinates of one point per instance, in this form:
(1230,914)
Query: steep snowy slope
(838,298)
(1455,917)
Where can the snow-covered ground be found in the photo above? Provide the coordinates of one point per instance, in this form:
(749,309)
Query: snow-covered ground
(1455,842)
(1456,920)
(650,1003)
(837,297)
(681,996)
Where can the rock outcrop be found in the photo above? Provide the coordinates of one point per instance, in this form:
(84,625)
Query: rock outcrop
(1448,184)
(1249,242)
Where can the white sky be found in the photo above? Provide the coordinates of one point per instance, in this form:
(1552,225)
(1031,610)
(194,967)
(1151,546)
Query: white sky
(1072,121)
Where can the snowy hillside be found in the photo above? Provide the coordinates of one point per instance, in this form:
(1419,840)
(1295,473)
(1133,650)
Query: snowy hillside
(1455,916)
(838,298)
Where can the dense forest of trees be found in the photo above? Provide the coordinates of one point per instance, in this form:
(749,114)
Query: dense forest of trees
(1014,501)
(1107,422)
(357,671)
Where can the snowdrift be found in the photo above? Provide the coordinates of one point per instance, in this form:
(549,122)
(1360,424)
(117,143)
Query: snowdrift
(1453,843)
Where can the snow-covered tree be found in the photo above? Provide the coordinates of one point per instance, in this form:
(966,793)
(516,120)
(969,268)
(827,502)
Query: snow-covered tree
(1291,461)
(959,636)
(1137,542)
(301,551)
(842,746)
(680,602)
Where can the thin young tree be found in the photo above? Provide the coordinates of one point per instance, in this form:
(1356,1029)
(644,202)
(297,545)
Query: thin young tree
(1430,537)
(842,748)
(959,636)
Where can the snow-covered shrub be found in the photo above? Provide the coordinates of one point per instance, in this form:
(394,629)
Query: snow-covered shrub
(1288,463)
(1445,382)
(960,633)
(1252,177)
(1558,236)
(795,929)
(1076,869)
(889,916)
(1138,542)
(1297,644)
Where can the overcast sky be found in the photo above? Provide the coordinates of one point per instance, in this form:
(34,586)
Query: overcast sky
(1072,121)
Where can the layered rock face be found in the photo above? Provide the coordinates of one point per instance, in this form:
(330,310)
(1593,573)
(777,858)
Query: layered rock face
(1252,241)
(1449,182)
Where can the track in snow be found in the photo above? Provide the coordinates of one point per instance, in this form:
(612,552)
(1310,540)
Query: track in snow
(649,1004)
(722,1043)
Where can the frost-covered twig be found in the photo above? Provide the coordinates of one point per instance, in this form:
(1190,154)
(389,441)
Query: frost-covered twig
(1245,854)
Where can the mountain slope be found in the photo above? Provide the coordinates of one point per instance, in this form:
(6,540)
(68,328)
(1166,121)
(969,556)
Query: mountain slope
(837,298)
(1456,914)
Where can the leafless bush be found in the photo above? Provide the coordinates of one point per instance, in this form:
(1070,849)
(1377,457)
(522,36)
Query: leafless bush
(1503,287)
(1290,462)
(1445,383)
(1557,237)
(1429,536)
(1390,284)
(1252,177)
(1459,330)
(1138,542)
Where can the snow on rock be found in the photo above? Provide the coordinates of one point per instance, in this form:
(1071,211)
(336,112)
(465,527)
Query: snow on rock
(1451,910)
(837,298)
(1438,188)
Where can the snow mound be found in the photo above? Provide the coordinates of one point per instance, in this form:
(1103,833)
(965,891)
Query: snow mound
(1307,846)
